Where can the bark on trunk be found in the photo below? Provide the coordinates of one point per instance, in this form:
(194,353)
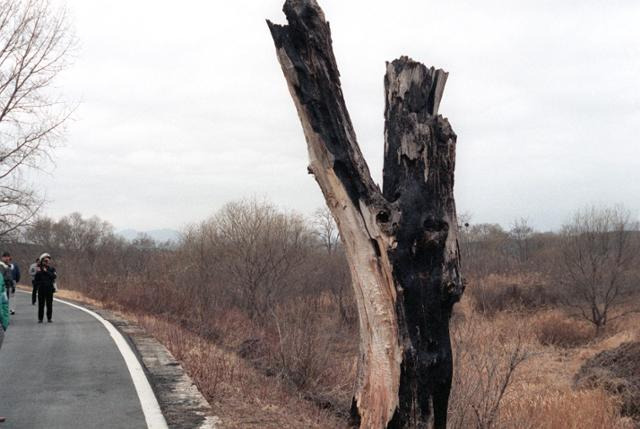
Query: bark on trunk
(401,242)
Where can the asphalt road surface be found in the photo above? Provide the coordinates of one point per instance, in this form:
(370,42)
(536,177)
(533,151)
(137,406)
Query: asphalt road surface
(66,374)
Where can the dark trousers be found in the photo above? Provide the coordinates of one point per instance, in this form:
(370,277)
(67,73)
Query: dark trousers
(34,294)
(45,297)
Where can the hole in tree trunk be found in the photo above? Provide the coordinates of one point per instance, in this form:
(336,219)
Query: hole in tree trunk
(435,225)
(383,216)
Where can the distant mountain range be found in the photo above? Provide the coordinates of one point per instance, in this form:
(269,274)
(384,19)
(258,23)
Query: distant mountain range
(158,235)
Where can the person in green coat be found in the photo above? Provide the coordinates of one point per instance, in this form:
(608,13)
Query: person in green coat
(4,316)
(4,310)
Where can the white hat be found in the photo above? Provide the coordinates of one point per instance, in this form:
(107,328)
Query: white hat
(44,255)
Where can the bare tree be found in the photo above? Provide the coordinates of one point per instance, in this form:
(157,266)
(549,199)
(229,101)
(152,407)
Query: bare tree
(520,234)
(92,257)
(199,249)
(82,239)
(599,248)
(82,236)
(18,206)
(326,229)
(401,242)
(485,247)
(262,249)
(35,42)
(41,232)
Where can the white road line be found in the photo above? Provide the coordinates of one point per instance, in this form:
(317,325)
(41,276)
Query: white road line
(150,407)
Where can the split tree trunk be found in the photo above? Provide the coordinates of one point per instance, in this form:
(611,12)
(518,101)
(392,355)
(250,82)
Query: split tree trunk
(401,242)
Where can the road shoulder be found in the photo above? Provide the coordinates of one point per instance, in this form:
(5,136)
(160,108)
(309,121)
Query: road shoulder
(181,402)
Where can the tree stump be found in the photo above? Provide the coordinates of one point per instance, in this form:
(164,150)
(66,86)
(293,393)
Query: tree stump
(401,242)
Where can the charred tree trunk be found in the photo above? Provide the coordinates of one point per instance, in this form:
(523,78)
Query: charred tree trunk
(401,242)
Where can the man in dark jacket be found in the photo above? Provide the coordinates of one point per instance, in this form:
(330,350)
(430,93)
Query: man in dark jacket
(44,281)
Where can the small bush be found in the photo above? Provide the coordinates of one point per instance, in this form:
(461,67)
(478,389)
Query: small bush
(555,329)
(617,371)
(494,293)
(485,369)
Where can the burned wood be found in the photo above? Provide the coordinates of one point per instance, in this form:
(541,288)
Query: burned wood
(401,243)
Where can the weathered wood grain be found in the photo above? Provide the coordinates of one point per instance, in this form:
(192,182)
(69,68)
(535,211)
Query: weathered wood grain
(401,242)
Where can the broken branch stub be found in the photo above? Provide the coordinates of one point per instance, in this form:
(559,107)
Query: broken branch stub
(401,243)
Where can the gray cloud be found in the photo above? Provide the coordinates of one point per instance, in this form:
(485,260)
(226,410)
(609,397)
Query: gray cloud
(184,107)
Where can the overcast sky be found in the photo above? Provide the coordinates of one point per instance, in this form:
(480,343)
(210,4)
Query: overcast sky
(183,107)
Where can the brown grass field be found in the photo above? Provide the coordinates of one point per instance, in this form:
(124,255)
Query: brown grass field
(547,345)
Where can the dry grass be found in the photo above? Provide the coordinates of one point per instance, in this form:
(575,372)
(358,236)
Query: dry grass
(555,328)
(77,296)
(617,371)
(252,375)
(486,368)
(497,293)
(239,394)
(540,392)
(566,409)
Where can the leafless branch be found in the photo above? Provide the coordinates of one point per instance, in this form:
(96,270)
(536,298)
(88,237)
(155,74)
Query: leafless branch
(35,42)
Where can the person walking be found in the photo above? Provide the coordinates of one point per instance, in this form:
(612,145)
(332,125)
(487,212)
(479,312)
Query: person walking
(7,275)
(15,274)
(45,282)
(33,269)
(15,271)
(4,316)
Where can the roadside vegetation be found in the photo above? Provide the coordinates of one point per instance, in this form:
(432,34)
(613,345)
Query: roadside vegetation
(257,304)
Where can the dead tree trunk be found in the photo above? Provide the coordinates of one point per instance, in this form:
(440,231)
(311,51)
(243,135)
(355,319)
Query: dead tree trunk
(401,243)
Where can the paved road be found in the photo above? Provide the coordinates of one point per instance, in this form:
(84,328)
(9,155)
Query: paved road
(66,374)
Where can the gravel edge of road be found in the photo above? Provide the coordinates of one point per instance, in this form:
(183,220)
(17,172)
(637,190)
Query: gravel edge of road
(182,404)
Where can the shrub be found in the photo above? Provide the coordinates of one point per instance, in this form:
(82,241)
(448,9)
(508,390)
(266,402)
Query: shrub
(494,293)
(485,368)
(617,371)
(556,329)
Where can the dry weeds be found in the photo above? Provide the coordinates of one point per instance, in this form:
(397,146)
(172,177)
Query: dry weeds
(255,391)
(555,328)
(239,394)
(566,409)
